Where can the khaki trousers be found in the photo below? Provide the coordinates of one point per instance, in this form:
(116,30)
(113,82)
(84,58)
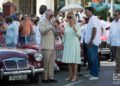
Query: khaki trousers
(48,63)
(118,59)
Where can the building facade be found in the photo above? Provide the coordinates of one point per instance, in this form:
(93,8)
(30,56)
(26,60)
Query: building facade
(32,6)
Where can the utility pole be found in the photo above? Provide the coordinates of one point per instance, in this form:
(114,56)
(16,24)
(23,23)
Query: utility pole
(112,8)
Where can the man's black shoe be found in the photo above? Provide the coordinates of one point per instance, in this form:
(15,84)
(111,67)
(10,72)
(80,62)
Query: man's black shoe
(53,80)
(45,81)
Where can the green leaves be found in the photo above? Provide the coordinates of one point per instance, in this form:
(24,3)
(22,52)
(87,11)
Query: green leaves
(87,0)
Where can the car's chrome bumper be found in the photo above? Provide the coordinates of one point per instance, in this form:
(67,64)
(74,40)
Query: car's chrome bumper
(32,71)
(104,51)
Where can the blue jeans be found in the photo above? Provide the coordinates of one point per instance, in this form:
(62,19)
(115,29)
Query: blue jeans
(12,45)
(93,59)
(25,40)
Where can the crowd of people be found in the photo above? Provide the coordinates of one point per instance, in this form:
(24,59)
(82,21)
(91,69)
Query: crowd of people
(78,32)
(21,31)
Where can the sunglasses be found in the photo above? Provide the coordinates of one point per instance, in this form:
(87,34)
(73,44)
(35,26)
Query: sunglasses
(69,17)
(51,15)
(114,14)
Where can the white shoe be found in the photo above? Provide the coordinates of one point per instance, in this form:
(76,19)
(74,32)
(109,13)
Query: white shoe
(88,75)
(67,79)
(93,78)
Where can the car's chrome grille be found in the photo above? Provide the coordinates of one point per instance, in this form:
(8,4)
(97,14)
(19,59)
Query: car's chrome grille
(22,63)
(11,64)
(15,64)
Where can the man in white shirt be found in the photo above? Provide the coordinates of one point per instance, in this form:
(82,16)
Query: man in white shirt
(114,38)
(92,38)
(42,11)
(12,33)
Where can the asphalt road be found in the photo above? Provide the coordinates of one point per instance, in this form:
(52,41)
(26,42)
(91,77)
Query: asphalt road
(106,78)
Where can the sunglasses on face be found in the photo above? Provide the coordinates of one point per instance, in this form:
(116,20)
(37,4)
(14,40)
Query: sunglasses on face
(69,17)
(114,14)
(51,15)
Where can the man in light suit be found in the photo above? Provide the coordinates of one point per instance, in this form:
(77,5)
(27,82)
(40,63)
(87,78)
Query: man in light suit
(47,45)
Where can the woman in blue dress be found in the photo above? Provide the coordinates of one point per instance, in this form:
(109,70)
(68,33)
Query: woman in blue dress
(71,53)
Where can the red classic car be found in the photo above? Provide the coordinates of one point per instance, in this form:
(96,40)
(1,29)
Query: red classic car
(20,64)
(59,51)
(58,47)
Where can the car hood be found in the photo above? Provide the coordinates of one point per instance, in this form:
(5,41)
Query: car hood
(11,53)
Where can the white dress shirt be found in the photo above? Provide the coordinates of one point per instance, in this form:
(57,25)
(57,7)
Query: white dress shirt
(37,35)
(93,22)
(114,36)
(12,33)
(81,15)
(42,17)
(83,32)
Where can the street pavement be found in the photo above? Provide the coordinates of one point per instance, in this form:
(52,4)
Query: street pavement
(106,78)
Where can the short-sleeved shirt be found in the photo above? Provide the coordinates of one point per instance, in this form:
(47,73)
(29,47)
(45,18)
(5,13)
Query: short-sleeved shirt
(93,22)
(114,36)
(12,33)
(25,28)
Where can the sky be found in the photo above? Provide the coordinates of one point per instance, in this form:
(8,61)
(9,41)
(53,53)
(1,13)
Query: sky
(1,3)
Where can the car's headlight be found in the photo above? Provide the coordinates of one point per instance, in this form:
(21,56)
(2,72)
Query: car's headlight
(38,57)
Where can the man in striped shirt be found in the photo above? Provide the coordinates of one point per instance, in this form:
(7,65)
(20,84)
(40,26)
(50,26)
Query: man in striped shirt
(114,38)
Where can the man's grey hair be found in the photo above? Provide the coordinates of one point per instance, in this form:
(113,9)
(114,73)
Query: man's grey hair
(48,11)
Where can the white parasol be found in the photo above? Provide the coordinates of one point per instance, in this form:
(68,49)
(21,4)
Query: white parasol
(71,7)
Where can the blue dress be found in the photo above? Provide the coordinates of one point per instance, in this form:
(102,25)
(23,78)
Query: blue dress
(71,53)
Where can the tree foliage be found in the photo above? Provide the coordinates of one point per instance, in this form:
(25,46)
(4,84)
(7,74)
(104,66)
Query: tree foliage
(117,1)
(103,13)
(87,0)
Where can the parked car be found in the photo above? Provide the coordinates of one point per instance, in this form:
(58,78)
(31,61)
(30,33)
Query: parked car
(59,50)
(20,64)
(104,50)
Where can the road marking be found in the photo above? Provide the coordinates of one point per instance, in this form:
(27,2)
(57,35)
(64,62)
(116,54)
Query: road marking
(73,83)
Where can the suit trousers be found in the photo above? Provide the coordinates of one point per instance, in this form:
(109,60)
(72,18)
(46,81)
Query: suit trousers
(48,63)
